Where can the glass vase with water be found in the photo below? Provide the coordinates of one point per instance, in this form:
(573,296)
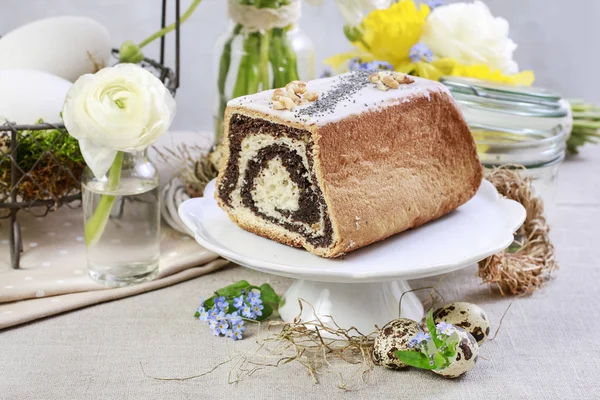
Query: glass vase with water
(122,221)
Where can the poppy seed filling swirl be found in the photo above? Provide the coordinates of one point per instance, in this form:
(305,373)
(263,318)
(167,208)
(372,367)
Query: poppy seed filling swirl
(273,178)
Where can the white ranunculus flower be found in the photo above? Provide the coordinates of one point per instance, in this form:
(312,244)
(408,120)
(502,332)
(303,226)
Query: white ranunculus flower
(121,108)
(354,11)
(469,33)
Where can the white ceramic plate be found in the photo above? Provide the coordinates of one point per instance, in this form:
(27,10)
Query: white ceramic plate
(480,228)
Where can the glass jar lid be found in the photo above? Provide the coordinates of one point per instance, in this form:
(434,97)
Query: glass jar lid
(513,124)
(507,99)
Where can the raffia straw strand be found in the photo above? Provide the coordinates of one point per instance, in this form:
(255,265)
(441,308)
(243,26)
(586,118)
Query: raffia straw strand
(192,164)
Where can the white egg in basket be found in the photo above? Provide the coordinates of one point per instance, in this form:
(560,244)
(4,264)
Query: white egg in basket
(27,96)
(67,46)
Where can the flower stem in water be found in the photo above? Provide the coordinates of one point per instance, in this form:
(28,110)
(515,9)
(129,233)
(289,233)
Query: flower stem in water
(96,224)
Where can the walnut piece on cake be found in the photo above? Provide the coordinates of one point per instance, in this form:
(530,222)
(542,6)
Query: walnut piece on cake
(385,80)
(294,94)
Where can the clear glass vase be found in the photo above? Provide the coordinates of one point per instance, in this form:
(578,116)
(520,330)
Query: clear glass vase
(122,221)
(247,62)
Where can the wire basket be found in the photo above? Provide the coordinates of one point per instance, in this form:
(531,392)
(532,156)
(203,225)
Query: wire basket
(38,174)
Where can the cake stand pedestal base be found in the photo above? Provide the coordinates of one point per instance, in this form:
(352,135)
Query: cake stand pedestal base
(359,305)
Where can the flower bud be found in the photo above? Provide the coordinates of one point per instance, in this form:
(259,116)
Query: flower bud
(352,33)
(129,52)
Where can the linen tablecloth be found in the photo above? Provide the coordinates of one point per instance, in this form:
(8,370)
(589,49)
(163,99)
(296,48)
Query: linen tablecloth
(53,277)
(547,347)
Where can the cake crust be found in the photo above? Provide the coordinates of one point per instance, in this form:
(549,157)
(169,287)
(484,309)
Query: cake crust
(397,169)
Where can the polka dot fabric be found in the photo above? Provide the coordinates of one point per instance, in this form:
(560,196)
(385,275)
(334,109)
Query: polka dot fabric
(53,276)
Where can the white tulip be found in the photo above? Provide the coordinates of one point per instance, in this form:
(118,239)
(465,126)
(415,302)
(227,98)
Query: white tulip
(121,108)
(354,11)
(469,33)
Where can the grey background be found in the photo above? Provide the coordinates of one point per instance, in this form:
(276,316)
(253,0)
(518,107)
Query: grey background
(557,39)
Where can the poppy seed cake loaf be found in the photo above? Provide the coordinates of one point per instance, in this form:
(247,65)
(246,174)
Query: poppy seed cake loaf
(363,162)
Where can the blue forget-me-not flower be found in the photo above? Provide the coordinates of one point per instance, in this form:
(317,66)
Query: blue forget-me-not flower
(420,52)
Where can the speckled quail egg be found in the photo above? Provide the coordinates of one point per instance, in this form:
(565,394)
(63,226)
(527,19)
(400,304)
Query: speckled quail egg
(217,156)
(467,316)
(394,336)
(4,144)
(467,352)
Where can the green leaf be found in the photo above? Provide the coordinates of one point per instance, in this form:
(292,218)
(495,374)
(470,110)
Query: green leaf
(451,349)
(266,312)
(414,359)
(231,308)
(439,361)
(433,331)
(210,302)
(196,314)
(268,295)
(233,289)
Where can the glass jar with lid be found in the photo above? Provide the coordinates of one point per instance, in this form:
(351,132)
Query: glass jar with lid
(515,125)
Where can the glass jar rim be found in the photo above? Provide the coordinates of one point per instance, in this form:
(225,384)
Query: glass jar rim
(541,146)
(543,138)
(507,99)
(512,107)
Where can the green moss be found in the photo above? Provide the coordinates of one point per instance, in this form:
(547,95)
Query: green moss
(49,159)
(33,145)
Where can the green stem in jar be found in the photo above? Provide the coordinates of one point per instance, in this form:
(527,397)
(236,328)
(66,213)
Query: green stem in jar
(264,59)
(224,65)
(290,57)
(253,49)
(241,83)
(276,58)
(95,226)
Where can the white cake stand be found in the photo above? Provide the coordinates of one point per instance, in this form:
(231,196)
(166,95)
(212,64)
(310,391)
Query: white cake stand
(363,288)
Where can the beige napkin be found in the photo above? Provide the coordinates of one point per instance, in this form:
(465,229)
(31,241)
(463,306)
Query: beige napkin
(53,277)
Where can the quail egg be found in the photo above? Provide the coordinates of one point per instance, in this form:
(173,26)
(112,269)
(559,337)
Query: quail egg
(467,316)
(217,156)
(394,336)
(467,352)
(4,144)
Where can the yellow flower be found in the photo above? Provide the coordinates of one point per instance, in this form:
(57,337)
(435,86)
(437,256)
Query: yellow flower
(339,63)
(389,34)
(482,71)
(429,70)
(448,66)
